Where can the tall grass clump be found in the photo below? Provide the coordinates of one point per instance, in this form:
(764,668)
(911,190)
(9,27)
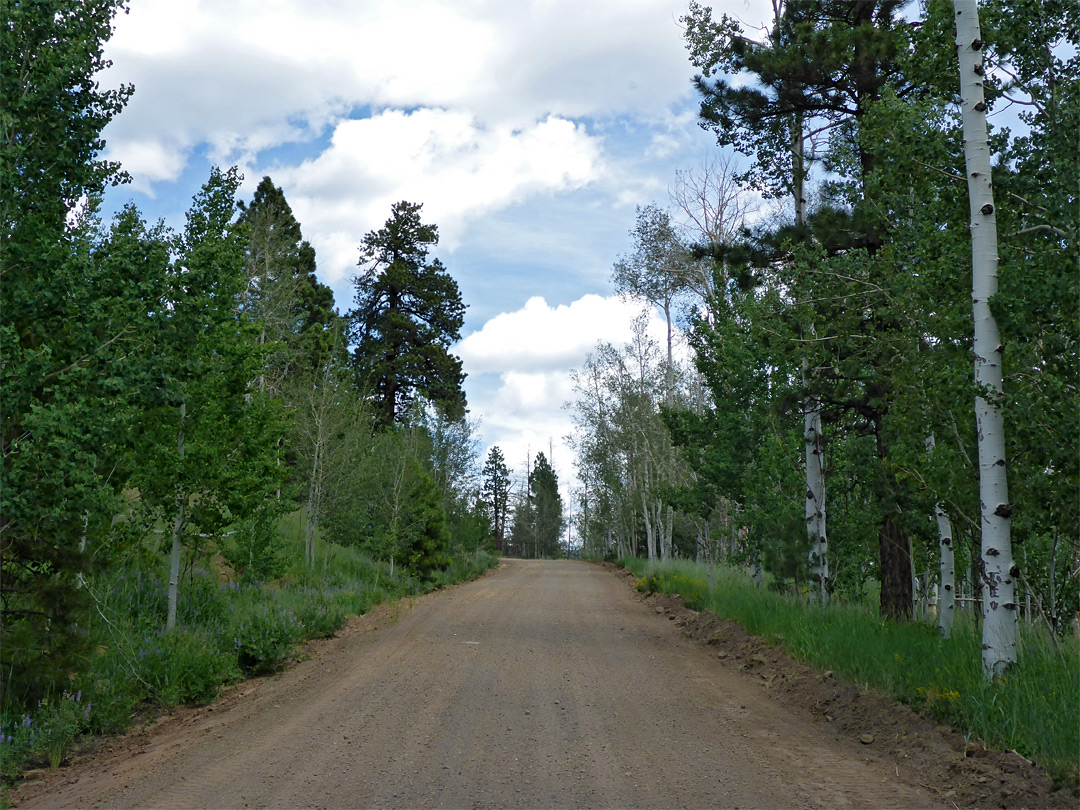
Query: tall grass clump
(1034,710)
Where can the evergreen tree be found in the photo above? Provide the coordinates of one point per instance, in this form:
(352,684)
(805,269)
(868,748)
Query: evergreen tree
(495,490)
(546,508)
(283,293)
(408,313)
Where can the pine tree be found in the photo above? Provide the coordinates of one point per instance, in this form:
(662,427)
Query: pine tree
(283,293)
(547,508)
(408,314)
(496,492)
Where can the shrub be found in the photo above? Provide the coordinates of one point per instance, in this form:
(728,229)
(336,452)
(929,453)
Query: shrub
(264,638)
(184,665)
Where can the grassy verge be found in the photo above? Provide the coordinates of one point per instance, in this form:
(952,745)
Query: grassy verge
(1035,710)
(225,632)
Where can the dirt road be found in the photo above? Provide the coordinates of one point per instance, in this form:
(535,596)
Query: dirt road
(544,684)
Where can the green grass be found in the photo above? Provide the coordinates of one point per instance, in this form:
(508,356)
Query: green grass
(1035,710)
(225,631)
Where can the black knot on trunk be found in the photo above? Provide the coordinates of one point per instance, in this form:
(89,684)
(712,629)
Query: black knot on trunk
(987,209)
(976,44)
(980,107)
(1004,510)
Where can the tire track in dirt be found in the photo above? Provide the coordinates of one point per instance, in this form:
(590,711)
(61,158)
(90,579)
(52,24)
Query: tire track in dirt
(545,684)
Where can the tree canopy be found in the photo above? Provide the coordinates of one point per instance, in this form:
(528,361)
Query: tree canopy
(408,314)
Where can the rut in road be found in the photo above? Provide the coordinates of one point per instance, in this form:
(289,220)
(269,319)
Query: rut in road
(545,684)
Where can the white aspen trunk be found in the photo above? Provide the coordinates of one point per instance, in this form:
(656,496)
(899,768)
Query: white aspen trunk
(1027,593)
(916,596)
(669,527)
(650,534)
(812,436)
(178,531)
(660,527)
(815,502)
(999,572)
(1053,582)
(670,371)
(946,607)
(947,598)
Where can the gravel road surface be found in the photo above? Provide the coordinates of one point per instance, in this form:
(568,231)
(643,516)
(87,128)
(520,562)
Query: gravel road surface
(543,684)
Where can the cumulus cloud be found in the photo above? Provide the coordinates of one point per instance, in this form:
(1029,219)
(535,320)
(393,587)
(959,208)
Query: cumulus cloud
(520,363)
(248,76)
(458,168)
(542,338)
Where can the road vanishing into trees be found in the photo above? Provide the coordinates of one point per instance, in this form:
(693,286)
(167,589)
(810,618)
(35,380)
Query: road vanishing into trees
(543,684)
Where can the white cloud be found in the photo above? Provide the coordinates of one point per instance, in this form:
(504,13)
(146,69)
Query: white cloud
(541,338)
(456,167)
(249,75)
(147,162)
(531,352)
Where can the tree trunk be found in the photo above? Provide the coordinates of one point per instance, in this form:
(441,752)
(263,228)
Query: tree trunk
(946,607)
(178,531)
(815,503)
(998,586)
(650,533)
(812,436)
(896,596)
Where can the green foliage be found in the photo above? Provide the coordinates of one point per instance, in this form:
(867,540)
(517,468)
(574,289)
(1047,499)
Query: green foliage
(72,298)
(184,665)
(408,313)
(496,493)
(264,637)
(49,733)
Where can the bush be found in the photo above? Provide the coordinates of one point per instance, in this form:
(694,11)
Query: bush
(264,638)
(185,665)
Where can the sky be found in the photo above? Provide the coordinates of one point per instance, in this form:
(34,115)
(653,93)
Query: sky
(528,129)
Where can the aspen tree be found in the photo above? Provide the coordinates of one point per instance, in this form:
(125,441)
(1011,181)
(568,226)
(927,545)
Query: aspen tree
(999,572)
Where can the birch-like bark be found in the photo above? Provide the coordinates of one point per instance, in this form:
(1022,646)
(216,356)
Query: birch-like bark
(999,571)
(812,436)
(650,531)
(947,596)
(815,502)
(177,533)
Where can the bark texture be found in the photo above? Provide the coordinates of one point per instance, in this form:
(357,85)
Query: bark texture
(998,570)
